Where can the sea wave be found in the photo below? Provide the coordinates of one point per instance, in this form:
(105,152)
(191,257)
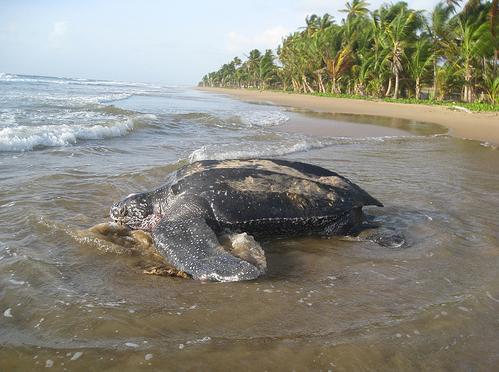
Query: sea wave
(53,115)
(7,117)
(231,151)
(61,99)
(25,138)
(234,120)
(80,100)
(5,76)
(280,148)
(263,118)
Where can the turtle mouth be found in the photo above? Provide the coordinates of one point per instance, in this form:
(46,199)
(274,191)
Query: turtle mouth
(119,220)
(131,225)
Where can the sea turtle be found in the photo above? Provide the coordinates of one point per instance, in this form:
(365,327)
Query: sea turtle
(261,197)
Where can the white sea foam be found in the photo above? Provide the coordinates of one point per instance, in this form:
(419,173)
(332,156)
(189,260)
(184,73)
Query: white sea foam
(7,76)
(230,151)
(80,100)
(8,313)
(489,145)
(289,145)
(235,119)
(31,79)
(33,117)
(23,138)
(263,118)
(62,80)
(7,118)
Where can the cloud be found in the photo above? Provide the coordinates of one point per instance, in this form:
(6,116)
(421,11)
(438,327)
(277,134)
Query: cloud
(58,34)
(268,39)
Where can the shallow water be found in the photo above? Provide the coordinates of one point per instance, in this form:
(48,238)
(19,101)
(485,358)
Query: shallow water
(338,304)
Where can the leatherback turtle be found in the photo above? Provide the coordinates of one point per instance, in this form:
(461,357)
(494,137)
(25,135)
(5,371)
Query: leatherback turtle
(260,197)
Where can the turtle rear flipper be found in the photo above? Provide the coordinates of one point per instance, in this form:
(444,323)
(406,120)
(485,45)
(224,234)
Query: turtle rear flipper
(245,247)
(186,240)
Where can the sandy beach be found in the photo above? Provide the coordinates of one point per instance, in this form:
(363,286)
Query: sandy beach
(476,126)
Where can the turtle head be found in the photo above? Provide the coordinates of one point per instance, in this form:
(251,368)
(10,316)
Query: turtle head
(133,211)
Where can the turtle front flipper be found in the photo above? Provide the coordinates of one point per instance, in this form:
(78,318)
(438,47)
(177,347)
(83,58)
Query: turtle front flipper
(188,243)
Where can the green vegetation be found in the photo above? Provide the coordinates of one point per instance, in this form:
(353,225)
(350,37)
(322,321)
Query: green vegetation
(393,53)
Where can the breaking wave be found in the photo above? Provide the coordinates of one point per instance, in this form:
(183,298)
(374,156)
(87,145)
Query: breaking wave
(25,138)
(280,148)
(263,118)
(235,119)
(4,76)
(221,152)
(44,111)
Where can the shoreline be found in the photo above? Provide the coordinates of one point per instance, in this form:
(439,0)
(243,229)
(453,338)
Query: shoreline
(475,126)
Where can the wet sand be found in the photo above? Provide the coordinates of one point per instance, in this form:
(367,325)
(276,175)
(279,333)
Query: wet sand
(476,126)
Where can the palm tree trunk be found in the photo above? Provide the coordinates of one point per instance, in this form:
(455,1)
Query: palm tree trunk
(320,83)
(418,88)
(389,89)
(468,92)
(396,90)
(334,86)
(306,85)
(495,60)
(434,95)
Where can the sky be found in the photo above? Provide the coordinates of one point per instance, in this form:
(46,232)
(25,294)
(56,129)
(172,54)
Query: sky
(168,42)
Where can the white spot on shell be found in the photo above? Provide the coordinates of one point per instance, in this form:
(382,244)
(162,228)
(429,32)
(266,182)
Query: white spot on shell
(76,355)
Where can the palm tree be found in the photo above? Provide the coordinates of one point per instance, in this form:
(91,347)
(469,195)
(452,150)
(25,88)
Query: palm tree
(362,73)
(386,50)
(266,69)
(357,8)
(439,30)
(420,62)
(316,23)
(253,64)
(471,45)
(491,87)
(397,36)
(494,10)
(452,4)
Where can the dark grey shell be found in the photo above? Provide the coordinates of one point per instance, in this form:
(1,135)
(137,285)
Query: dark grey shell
(254,194)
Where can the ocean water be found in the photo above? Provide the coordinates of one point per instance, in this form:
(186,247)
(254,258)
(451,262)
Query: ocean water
(69,148)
